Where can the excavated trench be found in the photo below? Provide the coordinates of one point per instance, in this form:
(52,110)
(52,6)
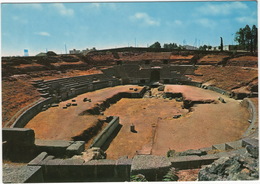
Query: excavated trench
(99,108)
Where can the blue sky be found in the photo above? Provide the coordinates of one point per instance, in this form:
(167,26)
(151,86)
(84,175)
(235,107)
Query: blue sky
(41,26)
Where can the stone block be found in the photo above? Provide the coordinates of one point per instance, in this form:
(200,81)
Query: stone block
(219,147)
(206,149)
(76,148)
(208,159)
(18,136)
(38,159)
(152,167)
(53,147)
(123,168)
(186,162)
(249,141)
(72,162)
(22,174)
(234,145)
(44,161)
(54,162)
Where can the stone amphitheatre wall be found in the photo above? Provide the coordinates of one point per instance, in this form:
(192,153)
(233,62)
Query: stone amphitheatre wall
(26,116)
(58,90)
(253,119)
(68,170)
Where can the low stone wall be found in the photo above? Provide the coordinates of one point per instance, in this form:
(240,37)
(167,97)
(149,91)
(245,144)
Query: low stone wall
(192,162)
(106,133)
(190,83)
(26,116)
(76,170)
(218,90)
(60,148)
(253,116)
(18,144)
(22,174)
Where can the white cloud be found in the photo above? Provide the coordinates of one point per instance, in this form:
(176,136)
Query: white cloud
(98,6)
(145,18)
(206,22)
(20,20)
(247,20)
(63,10)
(43,34)
(221,9)
(36,6)
(178,22)
(95,5)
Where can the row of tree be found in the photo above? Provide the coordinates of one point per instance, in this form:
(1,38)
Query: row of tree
(157,45)
(247,38)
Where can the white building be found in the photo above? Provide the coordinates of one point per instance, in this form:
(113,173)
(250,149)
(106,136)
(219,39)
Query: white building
(74,51)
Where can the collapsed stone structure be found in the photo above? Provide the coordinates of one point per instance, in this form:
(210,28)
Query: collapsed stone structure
(53,161)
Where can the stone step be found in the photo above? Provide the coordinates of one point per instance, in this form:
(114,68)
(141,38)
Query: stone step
(250,141)
(219,147)
(233,145)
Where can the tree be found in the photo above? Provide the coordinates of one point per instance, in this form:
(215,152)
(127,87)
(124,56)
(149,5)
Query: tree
(247,38)
(156,45)
(240,38)
(204,47)
(254,38)
(170,46)
(221,44)
(51,53)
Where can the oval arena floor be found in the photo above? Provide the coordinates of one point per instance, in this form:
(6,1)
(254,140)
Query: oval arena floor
(156,129)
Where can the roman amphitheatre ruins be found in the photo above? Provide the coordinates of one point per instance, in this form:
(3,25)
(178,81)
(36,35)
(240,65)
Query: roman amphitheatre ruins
(119,114)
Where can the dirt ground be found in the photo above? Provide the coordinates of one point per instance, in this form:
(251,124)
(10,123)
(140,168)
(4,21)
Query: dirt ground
(228,78)
(188,175)
(144,114)
(57,123)
(158,131)
(17,91)
(211,59)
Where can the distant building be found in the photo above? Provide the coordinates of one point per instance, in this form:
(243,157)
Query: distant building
(189,47)
(41,54)
(230,47)
(26,52)
(226,48)
(84,52)
(74,51)
(216,48)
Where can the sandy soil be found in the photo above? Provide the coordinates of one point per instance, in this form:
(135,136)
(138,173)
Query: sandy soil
(181,57)
(61,124)
(188,175)
(17,91)
(211,59)
(227,78)
(144,114)
(157,131)
(245,58)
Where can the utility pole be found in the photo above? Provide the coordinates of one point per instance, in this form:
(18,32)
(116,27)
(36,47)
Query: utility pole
(65,49)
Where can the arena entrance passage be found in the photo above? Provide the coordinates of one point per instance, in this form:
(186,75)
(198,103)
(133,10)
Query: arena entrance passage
(155,75)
